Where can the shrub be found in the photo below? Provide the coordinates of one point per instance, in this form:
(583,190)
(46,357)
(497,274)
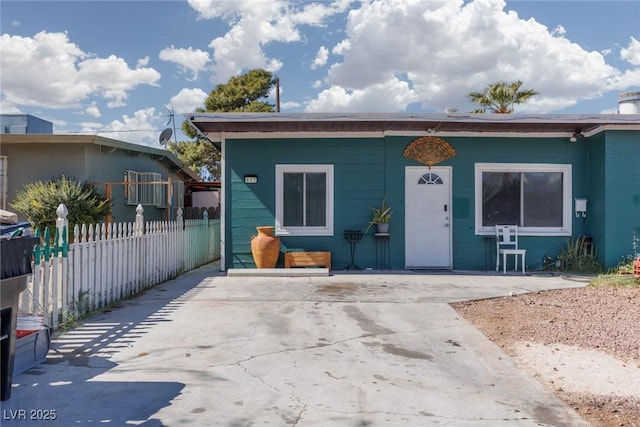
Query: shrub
(580,256)
(38,202)
(624,266)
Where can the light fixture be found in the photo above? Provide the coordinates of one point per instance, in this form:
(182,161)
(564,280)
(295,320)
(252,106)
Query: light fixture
(576,136)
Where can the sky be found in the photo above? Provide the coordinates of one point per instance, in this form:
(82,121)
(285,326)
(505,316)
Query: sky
(122,69)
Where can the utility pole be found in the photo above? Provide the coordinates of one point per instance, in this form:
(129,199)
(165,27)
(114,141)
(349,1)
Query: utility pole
(277,94)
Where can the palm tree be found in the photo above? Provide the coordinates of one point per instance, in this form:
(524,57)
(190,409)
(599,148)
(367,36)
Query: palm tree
(501,97)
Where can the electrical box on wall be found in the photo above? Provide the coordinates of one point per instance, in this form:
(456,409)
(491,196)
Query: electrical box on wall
(581,207)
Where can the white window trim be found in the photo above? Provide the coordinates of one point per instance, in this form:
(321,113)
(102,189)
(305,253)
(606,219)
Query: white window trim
(565,169)
(281,230)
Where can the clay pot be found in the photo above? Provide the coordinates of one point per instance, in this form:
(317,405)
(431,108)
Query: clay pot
(265,247)
(636,267)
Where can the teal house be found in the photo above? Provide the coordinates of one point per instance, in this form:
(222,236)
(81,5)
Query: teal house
(449,179)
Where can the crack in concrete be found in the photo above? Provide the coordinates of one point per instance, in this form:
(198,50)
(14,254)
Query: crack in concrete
(420,414)
(299,417)
(291,350)
(317,346)
(306,405)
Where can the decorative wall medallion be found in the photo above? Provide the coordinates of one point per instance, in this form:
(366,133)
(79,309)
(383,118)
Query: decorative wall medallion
(429,150)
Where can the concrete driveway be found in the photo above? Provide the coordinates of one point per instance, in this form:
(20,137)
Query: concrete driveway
(345,350)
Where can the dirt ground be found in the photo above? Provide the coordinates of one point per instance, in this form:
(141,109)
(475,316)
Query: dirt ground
(581,343)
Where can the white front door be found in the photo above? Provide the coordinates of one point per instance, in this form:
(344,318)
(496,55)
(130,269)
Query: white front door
(427,217)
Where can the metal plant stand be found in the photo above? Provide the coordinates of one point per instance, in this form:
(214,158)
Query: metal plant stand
(383,253)
(352,237)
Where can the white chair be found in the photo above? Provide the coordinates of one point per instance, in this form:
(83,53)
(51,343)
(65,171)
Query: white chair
(507,244)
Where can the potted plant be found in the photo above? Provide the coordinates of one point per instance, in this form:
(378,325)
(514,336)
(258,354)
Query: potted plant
(381,217)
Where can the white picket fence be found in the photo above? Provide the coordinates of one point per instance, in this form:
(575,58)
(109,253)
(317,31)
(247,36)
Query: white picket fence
(107,263)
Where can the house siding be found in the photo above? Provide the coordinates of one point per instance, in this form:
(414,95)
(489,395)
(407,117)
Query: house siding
(103,166)
(368,169)
(358,185)
(368,165)
(596,205)
(471,251)
(621,194)
(31,161)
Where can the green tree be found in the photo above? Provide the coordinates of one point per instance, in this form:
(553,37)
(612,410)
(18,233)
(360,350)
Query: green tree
(241,93)
(200,156)
(38,202)
(501,97)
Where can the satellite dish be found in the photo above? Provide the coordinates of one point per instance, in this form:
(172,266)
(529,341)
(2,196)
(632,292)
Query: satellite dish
(165,135)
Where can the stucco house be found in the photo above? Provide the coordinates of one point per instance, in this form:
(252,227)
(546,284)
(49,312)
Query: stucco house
(313,176)
(130,174)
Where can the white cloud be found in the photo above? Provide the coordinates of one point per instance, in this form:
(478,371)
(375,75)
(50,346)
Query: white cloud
(209,9)
(628,79)
(559,31)
(290,105)
(341,47)
(392,95)
(321,58)
(93,110)
(316,13)
(188,100)
(189,60)
(448,48)
(143,62)
(7,107)
(141,128)
(632,52)
(47,70)
(254,25)
(242,46)
(606,51)
(392,53)
(89,127)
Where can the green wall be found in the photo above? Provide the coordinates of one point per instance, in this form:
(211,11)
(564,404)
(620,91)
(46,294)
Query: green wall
(472,252)
(368,169)
(621,194)
(358,180)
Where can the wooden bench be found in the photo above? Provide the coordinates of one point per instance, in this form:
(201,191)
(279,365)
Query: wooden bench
(307,259)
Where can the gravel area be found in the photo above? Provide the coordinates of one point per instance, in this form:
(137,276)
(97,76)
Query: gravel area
(581,343)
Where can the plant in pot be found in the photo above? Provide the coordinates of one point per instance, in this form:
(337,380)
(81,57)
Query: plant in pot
(381,217)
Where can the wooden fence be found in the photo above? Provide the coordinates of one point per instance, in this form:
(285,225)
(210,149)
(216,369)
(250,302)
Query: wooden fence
(109,262)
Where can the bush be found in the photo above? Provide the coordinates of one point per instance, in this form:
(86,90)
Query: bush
(580,256)
(624,266)
(38,202)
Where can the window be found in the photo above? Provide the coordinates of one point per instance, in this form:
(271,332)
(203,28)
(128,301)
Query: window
(304,200)
(536,197)
(430,178)
(177,195)
(148,188)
